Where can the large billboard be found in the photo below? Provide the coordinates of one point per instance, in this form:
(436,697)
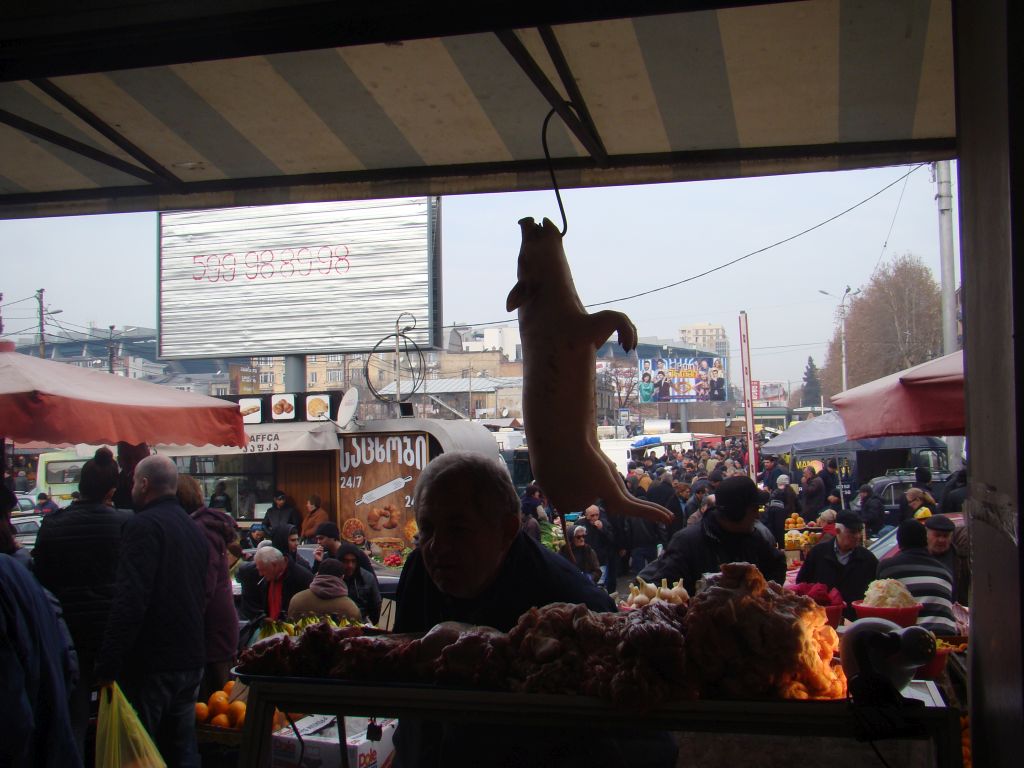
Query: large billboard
(692,379)
(298,279)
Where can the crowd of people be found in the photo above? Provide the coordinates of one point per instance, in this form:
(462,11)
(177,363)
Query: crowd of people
(719,515)
(141,594)
(137,589)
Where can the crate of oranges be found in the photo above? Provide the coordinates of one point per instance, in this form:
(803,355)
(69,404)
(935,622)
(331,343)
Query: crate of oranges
(222,716)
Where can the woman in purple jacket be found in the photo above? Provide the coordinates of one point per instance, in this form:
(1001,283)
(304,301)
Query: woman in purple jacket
(220,619)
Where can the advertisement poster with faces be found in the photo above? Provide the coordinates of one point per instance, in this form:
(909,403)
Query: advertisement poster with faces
(695,379)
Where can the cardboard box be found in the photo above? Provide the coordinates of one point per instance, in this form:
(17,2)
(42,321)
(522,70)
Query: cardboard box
(322,746)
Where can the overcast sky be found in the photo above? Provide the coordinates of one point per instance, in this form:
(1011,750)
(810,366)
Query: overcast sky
(621,241)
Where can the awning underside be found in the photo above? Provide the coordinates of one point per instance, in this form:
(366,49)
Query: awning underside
(737,91)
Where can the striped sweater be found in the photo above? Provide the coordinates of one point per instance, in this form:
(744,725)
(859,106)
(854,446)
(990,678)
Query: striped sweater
(931,584)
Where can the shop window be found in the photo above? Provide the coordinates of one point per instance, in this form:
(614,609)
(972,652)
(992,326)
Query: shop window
(249,480)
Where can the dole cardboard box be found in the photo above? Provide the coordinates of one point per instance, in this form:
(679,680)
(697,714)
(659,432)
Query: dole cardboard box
(322,747)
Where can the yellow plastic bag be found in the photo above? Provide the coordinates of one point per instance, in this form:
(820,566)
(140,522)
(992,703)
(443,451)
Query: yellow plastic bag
(121,739)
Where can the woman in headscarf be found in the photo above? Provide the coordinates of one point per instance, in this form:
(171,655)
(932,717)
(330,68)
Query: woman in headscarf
(220,619)
(75,557)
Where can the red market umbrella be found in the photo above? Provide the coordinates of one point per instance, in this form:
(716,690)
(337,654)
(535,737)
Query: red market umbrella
(927,399)
(59,404)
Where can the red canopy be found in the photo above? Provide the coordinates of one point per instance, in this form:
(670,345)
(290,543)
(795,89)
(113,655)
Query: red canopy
(55,403)
(927,399)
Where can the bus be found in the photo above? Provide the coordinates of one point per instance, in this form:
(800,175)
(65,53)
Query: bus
(57,475)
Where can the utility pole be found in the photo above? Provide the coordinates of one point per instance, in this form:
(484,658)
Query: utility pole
(748,397)
(42,324)
(944,197)
(1,314)
(110,351)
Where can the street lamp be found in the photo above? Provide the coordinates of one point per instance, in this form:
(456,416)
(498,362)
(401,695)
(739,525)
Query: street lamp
(842,323)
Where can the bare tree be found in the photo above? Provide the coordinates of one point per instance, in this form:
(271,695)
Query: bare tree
(623,376)
(894,323)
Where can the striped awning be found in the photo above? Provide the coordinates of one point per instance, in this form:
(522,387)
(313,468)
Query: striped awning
(748,89)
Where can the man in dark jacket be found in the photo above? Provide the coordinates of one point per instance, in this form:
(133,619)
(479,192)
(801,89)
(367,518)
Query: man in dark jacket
(362,584)
(872,510)
(601,538)
(270,581)
(698,491)
(82,576)
(154,644)
(465,503)
(813,498)
(281,512)
(730,533)
(842,563)
(772,473)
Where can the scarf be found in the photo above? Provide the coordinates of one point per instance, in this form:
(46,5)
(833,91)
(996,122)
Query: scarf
(328,587)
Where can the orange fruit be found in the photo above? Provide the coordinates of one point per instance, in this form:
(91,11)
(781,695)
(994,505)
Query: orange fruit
(220,721)
(218,704)
(236,712)
(202,712)
(228,686)
(240,722)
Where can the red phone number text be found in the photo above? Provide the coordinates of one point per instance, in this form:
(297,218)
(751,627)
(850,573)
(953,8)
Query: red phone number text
(322,261)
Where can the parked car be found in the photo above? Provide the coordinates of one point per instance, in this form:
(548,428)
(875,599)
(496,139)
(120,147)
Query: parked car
(26,503)
(885,545)
(891,487)
(25,529)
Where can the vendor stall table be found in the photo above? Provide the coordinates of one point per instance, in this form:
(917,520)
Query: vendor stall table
(778,718)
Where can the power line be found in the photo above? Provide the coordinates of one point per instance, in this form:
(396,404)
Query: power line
(894,215)
(19,301)
(16,333)
(738,259)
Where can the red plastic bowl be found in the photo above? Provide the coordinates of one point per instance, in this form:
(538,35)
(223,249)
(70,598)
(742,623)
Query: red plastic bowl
(905,617)
(835,614)
(934,668)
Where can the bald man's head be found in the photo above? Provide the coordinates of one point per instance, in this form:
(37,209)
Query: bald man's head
(155,476)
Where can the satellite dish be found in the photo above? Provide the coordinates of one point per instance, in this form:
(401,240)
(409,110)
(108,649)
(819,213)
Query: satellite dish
(347,409)
(504,413)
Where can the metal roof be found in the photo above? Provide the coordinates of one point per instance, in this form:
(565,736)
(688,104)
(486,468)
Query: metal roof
(157,106)
(458,385)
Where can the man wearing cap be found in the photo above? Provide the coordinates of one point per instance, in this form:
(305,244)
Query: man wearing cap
(872,510)
(842,563)
(252,539)
(780,506)
(928,580)
(281,512)
(328,540)
(940,531)
(729,533)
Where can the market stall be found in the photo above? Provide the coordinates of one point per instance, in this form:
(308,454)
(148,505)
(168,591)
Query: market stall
(742,656)
(927,399)
(46,401)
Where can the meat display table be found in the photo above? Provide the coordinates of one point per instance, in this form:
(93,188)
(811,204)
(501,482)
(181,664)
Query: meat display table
(937,723)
